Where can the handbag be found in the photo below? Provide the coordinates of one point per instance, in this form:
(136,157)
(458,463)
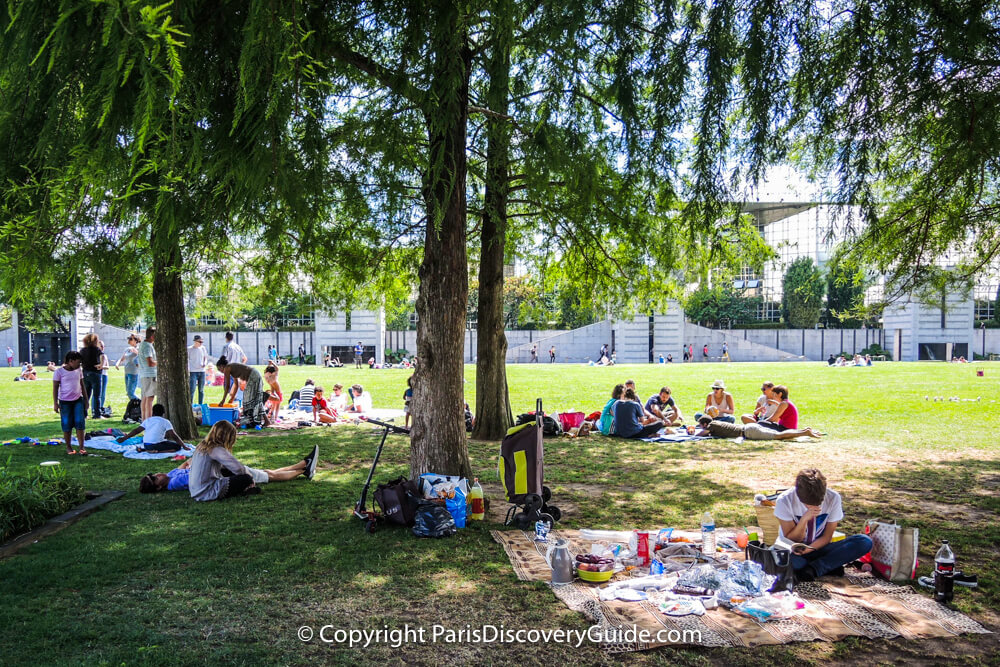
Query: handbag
(396,498)
(894,550)
(775,561)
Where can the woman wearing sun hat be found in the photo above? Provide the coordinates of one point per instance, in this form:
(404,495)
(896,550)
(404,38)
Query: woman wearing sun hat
(719,404)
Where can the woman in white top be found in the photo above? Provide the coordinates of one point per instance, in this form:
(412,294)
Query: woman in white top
(719,404)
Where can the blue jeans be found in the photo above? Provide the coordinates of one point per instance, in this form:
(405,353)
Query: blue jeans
(104,388)
(834,554)
(131,383)
(92,381)
(73,415)
(197,379)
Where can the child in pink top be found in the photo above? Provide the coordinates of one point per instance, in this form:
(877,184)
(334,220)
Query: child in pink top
(69,400)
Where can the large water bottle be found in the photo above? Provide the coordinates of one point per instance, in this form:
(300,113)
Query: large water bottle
(708,534)
(944,573)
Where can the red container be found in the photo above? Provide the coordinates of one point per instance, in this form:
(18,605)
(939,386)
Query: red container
(570,420)
(642,548)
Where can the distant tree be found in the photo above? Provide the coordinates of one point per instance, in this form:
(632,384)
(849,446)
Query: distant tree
(802,294)
(718,306)
(845,291)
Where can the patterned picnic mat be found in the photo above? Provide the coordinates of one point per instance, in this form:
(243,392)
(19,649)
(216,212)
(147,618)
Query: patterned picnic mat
(856,605)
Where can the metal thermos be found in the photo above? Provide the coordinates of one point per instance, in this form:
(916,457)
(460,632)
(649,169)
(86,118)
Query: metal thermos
(561,562)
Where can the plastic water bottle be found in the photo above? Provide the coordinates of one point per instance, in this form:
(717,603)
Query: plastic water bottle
(944,573)
(478,503)
(708,534)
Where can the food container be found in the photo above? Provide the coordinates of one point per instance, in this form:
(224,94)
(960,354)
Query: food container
(595,577)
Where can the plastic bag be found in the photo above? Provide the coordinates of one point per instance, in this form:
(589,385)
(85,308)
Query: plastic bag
(433,520)
(457,507)
(745,579)
(701,576)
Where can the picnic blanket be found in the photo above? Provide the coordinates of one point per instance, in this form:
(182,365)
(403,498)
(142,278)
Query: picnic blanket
(837,607)
(290,418)
(127,448)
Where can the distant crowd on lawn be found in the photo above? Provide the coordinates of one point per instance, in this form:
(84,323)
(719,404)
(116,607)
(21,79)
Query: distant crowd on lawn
(774,416)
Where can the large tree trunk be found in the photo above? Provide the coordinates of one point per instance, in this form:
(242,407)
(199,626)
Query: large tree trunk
(171,333)
(438,440)
(493,414)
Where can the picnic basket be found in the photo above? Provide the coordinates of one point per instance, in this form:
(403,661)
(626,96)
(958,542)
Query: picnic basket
(768,523)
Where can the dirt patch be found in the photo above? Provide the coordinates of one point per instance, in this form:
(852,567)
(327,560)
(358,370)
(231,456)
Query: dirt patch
(947,511)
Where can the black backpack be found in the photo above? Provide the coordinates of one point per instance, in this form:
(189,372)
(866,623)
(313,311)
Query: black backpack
(133,412)
(551,428)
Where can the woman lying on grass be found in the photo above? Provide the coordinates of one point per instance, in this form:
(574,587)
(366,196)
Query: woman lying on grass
(207,479)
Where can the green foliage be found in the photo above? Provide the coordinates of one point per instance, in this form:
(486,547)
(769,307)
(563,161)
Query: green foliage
(720,306)
(873,349)
(802,297)
(845,291)
(996,308)
(29,498)
(6,317)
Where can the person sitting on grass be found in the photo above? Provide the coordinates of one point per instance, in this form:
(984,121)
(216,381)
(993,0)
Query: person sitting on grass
(177,479)
(206,480)
(630,422)
(765,406)
(321,410)
(69,400)
(362,400)
(28,372)
(715,428)
(157,433)
(808,514)
(606,422)
(662,407)
(306,395)
(719,404)
(785,415)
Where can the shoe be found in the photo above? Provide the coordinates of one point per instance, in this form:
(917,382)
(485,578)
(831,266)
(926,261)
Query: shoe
(967,580)
(252,491)
(836,572)
(805,574)
(926,582)
(311,463)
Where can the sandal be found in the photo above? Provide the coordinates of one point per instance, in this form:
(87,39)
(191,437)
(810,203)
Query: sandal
(82,452)
(70,452)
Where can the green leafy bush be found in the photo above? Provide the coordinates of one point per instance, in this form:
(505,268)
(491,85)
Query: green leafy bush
(30,498)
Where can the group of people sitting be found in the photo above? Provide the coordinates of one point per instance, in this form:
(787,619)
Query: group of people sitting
(774,417)
(329,410)
(857,360)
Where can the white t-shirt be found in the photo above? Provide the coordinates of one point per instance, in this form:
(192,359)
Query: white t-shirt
(363,402)
(233,352)
(146,352)
(197,359)
(338,403)
(788,507)
(155,430)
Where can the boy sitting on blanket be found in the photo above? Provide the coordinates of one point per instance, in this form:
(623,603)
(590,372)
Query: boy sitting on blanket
(808,514)
(157,433)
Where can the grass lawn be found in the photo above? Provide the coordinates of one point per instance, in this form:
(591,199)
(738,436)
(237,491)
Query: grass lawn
(164,580)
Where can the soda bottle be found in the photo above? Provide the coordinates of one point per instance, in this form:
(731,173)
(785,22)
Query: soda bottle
(478,503)
(708,534)
(944,573)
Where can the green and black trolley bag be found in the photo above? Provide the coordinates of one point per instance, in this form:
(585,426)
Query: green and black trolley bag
(521,471)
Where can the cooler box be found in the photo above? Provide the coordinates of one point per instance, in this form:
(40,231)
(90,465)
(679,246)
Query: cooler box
(211,414)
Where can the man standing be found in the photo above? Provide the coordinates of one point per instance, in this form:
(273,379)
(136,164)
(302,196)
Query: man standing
(147,372)
(359,350)
(10,357)
(534,353)
(704,353)
(552,354)
(725,351)
(232,350)
(197,361)
(302,354)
